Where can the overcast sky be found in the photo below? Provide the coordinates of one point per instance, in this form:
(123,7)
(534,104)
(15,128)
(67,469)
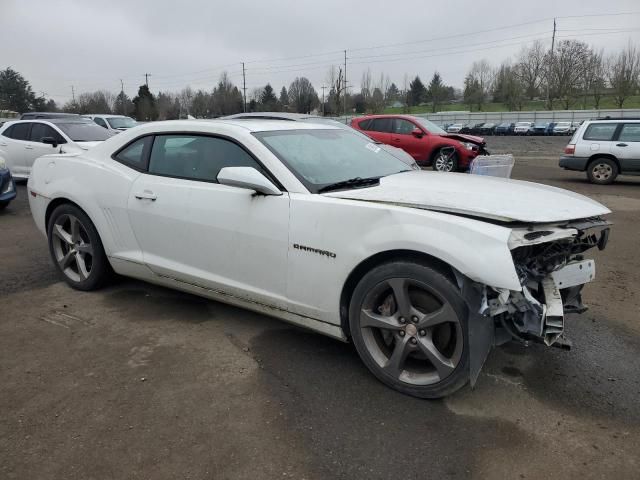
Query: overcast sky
(93,44)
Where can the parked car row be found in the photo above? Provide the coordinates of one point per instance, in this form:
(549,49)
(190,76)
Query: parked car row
(514,128)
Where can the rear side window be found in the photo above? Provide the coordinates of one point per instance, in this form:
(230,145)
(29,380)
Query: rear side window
(380,125)
(600,131)
(197,157)
(630,133)
(100,122)
(40,130)
(19,131)
(364,124)
(135,154)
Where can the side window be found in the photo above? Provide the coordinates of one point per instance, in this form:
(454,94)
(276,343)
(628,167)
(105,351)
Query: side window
(380,125)
(630,133)
(20,131)
(196,157)
(600,131)
(8,132)
(135,154)
(364,124)
(100,122)
(40,130)
(403,127)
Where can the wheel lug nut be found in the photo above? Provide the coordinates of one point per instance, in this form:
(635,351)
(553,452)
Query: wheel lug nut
(414,319)
(422,333)
(402,333)
(413,340)
(403,320)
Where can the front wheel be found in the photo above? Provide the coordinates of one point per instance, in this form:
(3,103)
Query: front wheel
(445,160)
(76,249)
(409,326)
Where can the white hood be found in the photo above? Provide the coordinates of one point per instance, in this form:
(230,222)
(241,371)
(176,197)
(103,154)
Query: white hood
(480,196)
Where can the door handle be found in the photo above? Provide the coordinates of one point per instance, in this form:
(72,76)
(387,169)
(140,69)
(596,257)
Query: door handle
(146,195)
(28,147)
(621,145)
(2,144)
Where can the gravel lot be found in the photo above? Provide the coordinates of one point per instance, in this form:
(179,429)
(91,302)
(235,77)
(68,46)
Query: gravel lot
(137,381)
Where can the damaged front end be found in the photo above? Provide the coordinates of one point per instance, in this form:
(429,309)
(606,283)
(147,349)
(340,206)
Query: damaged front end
(552,271)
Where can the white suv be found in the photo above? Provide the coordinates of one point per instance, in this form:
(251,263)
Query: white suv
(604,149)
(22,141)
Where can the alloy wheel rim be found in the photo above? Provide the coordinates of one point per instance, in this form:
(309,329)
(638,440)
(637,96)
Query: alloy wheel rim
(444,163)
(72,247)
(602,171)
(411,332)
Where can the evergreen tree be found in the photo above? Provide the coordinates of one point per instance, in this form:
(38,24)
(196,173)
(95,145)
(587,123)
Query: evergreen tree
(417,91)
(144,105)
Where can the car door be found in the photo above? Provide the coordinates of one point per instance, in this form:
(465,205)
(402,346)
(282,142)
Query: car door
(35,148)
(191,228)
(402,137)
(380,129)
(13,143)
(626,147)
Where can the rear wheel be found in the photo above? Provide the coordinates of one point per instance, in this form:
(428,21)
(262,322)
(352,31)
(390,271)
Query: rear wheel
(3,204)
(445,160)
(409,326)
(602,171)
(76,249)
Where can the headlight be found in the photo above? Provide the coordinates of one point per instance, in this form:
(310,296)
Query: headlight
(3,164)
(469,146)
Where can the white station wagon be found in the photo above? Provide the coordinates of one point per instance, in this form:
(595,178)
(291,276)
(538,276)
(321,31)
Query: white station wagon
(423,271)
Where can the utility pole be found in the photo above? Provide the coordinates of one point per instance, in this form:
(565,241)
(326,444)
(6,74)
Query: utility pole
(146,79)
(550,72)
(122,106)
(73,95)
(244,90)
(344,95)
(323,87)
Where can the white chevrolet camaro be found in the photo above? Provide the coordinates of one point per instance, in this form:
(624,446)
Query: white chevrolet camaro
(423,271)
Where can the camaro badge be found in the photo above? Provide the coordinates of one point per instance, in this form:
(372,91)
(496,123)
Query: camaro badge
(314,250)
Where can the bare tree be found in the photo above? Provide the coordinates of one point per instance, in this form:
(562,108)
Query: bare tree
(185,97)
(623,71)
(302,95)
(593,81)
(567,70)
(481,75)
(530,68)
(335,78)
(366,87)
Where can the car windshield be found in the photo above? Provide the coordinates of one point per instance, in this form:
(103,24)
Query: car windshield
(323,157)
(84,131)
(429,126)
(121,122)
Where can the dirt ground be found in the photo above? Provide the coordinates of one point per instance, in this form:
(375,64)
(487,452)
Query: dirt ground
(136,381)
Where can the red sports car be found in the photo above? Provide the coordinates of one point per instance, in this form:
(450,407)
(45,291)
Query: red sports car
(423,140)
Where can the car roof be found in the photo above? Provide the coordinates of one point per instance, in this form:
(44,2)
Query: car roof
(270,115)
(106,115)
(47,115)
(252,125)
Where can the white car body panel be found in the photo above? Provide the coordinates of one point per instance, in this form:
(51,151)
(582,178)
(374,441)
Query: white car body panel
(290,255)
(488,197)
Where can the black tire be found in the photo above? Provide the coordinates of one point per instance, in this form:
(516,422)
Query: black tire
(65,244)
(370,341)
(4,204)
(602,171)
(452,164)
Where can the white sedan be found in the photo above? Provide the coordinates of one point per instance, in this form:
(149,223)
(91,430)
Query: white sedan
(423,271)
(22,141)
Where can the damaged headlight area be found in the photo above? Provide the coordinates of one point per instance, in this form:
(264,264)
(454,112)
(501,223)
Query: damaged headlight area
(552,271)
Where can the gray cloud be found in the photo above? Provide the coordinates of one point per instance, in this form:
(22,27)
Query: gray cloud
(92,45)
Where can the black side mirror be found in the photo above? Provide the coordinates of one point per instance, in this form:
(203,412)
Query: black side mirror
(50,141)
